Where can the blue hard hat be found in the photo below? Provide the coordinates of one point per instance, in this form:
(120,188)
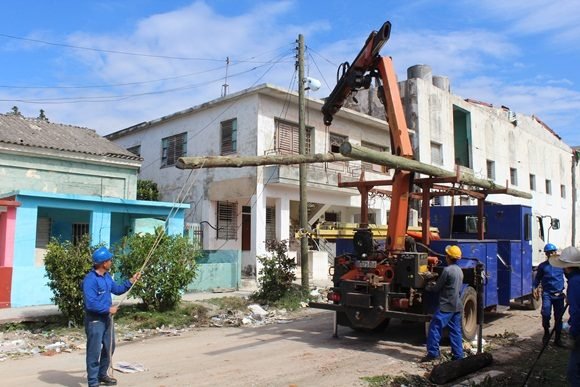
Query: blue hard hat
(102,254)
(550,248)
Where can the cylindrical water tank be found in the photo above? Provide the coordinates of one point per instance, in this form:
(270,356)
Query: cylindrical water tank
(420,71)
(441,82)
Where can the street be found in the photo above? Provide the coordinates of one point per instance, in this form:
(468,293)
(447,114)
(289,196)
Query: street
(299,353)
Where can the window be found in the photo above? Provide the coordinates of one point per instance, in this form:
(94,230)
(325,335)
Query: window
(43,227)
(172,148)
(436,153)
(331,216)
(490,166)
(227,220)
(374,167)
(467,224)
(270,223)
(336,141)
(286,138)
(78,231)
(563,191)
(229,130)
(548,187)
(532,182)
(513,176)
(136,150)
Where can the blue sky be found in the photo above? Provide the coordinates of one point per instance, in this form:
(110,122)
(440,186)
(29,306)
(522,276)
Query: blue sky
(137,60)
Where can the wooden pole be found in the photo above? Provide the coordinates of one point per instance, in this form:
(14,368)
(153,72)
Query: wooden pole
(254,161)
(371,156)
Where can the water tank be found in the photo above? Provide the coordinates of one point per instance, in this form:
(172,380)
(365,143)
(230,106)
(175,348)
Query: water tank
(441,82)
(420,71)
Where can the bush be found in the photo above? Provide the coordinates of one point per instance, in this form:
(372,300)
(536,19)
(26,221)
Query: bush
(66,266)
(170,269)
(147,190)
(276,276)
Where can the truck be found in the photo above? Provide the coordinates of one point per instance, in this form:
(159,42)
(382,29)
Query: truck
(375,280)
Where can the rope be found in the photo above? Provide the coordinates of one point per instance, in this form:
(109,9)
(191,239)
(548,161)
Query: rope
(158,239)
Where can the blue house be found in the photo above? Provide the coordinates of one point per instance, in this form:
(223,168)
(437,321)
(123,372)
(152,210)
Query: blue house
(64,181)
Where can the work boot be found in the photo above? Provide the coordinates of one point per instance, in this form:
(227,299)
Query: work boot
(107,381)
(546,325)
(558,340)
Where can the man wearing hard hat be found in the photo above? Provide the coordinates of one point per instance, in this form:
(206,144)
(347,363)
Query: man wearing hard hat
(449,312)
(552,280)
(569,260)
(97,288)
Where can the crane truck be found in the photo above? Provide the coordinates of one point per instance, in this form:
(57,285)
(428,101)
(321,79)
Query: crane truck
(377,280)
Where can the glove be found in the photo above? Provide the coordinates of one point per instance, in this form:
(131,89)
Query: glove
(429,276)
(536,293)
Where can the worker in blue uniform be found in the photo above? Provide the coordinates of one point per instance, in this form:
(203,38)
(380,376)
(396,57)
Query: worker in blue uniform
(552,280)
(448,314)
(569,260)
(97,288)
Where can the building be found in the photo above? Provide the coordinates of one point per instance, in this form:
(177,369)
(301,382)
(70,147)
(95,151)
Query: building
(240,208)
(62,181)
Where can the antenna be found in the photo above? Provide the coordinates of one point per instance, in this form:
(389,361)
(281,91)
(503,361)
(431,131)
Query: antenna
(225,85)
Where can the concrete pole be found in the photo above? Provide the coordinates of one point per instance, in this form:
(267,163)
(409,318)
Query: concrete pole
(303,209)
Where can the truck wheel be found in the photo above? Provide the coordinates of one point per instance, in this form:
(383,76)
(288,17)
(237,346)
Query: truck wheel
(469,313)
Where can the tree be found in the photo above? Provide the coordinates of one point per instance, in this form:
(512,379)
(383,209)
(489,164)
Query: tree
(169,271)
(276,276)
(66,265)
(15,111)
(147,190)
(42,116)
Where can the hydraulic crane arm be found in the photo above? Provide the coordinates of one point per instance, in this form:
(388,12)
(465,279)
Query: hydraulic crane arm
(368,65)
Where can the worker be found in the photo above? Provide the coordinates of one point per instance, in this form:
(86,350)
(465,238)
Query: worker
(98,303)
(552,281)
(448,313)
(569,260)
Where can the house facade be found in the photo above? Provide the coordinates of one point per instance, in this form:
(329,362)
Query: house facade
(61,181)
(241,208)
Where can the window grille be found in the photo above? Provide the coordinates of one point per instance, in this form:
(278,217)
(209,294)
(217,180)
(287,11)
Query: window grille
(172,148)
(227,221)
(490,165)
(43,227)
(270,223)
(229,131)
(78,231)
(335,141)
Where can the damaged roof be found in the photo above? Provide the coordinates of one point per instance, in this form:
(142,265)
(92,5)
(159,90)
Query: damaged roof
(32,132)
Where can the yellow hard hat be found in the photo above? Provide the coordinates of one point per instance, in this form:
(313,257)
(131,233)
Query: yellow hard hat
(453,251)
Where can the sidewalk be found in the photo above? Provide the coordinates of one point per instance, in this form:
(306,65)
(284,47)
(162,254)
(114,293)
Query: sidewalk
(28,313)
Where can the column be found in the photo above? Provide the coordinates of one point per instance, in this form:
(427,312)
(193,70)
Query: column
(100,227)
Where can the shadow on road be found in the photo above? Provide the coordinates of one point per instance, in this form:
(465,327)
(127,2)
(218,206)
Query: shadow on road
(61,378)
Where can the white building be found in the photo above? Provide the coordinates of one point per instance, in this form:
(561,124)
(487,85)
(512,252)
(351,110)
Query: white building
(252,204)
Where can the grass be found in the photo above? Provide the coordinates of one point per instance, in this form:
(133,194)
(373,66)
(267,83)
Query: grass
(49,323)
(229,303)
(396,381)
(185,315)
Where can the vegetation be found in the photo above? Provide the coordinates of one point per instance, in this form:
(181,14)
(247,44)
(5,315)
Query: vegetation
(183,315)
(396,381)
(66,265)
(169,271)
(276,276)
(147,190)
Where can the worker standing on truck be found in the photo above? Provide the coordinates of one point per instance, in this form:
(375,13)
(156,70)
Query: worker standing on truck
(569,260)
(449,312)
(552,280)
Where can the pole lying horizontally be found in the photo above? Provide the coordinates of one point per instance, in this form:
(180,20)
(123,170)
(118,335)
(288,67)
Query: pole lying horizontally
(254,161)
(371,156)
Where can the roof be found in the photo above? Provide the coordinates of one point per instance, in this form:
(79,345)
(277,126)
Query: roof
(18,130)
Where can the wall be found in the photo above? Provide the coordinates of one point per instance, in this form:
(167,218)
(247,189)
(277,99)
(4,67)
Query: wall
(44,174)
(217,269)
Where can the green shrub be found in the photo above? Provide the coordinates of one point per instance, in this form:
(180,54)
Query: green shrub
(147,190)
(276,276)
(66,265)
(169,271)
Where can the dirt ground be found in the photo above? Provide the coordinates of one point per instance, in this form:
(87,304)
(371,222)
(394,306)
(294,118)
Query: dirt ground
(299,352)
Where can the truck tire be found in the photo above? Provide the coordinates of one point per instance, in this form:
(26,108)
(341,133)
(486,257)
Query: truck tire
(469,313)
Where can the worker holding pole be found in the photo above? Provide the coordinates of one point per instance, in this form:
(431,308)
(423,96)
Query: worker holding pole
(97,288)
(449,312)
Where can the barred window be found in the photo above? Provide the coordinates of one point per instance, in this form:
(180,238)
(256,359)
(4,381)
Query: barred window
(172,148)
(78,231)
(336,141)
(227,220)
(490,166)
(270,223)
(229,132)
(286,137)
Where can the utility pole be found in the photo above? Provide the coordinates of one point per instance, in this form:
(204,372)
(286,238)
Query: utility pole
(303,208)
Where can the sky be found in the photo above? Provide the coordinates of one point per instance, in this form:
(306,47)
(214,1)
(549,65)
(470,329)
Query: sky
(109,64)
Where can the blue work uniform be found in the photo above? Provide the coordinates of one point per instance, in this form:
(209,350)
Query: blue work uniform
(552,280)
(448,313)
(97,291)
(574,305)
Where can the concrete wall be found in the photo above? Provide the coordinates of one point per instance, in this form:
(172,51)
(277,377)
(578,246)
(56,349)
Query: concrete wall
(217,269)
(47,174)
